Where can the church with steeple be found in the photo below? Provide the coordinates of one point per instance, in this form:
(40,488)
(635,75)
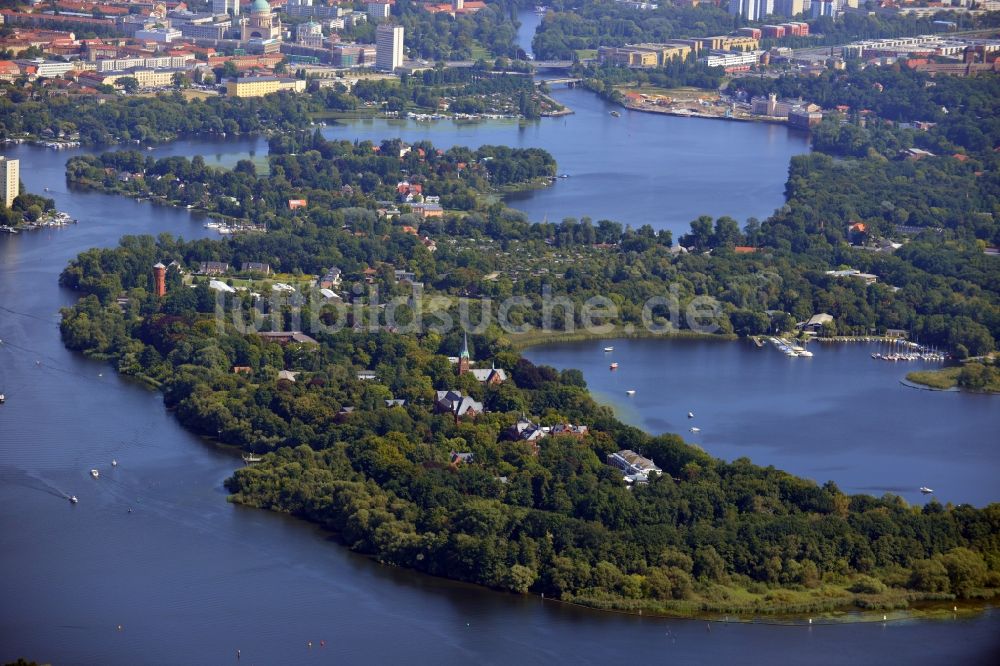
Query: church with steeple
(492,375)
(464,360)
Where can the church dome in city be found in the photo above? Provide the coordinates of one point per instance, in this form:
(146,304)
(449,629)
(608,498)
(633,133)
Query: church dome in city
(260,7)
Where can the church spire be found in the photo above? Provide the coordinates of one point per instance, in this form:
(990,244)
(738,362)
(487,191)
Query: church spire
(464,360)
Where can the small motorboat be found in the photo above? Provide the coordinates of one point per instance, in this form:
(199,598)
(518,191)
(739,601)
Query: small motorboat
(94,473)
(616,114)
(73,499)
(690,415)
(3,398)
(695,429)
(630,392)
(614,366)
(806,353)
(925,490)
(114,463)
(250,458)
(609,349)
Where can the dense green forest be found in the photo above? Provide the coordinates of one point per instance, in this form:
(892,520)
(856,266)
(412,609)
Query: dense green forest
(940,285)
(707,535)
(26,208)
(100,121)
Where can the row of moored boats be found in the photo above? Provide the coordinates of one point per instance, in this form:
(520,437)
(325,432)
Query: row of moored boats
(789,348)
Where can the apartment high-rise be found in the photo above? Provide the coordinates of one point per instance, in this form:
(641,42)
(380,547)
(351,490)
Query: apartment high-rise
(789,8)
(11,180)
(388,47)
(751,10)
(231,7)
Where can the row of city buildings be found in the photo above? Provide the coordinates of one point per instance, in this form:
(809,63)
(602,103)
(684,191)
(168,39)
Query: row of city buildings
(253,29)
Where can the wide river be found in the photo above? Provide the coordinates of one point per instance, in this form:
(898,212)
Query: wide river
(186,577)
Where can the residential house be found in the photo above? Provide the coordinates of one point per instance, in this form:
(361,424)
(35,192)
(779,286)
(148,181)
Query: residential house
(427,210)
(854,273)
(491,376)
(287,337)
(569,429)
(525,431)
(457,458)
(815,323)
(634,467)
(255,267)
(287,376)
(213,268)
(332,278)
(405,276)
(453,402)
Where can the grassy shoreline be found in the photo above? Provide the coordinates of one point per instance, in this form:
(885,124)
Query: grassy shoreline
(947,379)
(521,341)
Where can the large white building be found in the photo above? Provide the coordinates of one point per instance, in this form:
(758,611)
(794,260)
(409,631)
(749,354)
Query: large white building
(388,47)
(10,170)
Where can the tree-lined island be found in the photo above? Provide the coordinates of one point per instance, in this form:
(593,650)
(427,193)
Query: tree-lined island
(356,333)
(463,459)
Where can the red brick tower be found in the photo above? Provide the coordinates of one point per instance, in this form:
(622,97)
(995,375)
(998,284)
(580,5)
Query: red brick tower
(160,276)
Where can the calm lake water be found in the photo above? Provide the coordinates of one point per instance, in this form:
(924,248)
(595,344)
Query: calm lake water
(638,169)
(192,579)
(839,415)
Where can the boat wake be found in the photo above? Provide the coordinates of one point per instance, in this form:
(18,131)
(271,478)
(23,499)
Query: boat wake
(15,476)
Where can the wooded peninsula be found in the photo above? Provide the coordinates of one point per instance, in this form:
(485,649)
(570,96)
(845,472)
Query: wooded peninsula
(460,458)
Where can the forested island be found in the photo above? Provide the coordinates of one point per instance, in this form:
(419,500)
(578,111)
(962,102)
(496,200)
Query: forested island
(374,433)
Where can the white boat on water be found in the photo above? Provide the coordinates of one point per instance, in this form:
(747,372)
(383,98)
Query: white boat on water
(250,458)
(630,392)
(73,499)
(114,463)
(609,349)
(925,490)
(806,353)
(690,415)
(695,429)
(614,366)
(3,398)
(94,473)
